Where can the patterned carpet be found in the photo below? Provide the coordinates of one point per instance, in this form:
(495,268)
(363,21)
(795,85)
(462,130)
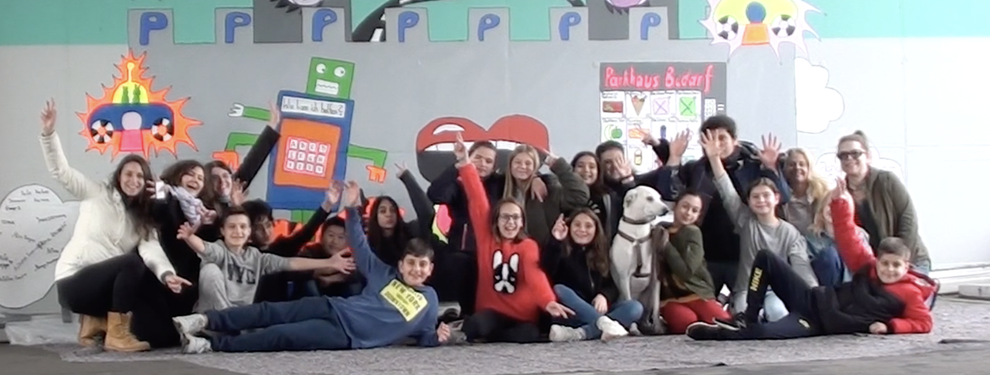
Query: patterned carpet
(959,324)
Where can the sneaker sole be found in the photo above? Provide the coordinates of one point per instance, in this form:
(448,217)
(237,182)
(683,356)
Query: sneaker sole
(182,333)
(724,325)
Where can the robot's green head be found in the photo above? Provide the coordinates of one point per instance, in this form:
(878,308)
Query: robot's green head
(330,78)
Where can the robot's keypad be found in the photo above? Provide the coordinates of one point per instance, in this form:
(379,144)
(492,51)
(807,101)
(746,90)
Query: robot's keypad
(306,157)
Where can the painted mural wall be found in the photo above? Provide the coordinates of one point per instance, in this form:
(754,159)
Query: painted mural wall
(366,84)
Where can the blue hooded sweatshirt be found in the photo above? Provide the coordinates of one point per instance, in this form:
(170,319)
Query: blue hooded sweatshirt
(387,311)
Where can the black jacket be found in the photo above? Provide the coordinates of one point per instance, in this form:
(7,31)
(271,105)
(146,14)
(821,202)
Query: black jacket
(852,307)
(446,189)
(574,272)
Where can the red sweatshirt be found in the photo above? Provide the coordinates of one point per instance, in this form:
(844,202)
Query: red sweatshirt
(911,289)
(510,279)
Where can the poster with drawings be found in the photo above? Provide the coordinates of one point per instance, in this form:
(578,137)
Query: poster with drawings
(659,99)
(35,224)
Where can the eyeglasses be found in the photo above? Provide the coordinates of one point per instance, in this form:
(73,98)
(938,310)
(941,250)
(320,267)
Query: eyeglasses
(507,218)
(849,155)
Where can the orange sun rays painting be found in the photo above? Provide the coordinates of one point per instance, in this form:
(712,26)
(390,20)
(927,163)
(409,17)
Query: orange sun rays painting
(131,118)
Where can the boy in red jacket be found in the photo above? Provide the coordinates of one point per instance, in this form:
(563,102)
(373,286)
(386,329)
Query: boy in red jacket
(884,297)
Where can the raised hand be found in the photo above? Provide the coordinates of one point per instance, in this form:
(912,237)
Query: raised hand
(207,216)
(185,231)
(559,230)
(648,138)
(48,115)
(840,189)
(237,193)
(352,194)
(770,151)
(551,157)
(712,146)
(333,193)
(460,149)
(679,145)
(401,168)
(557,310)
(151,188)
(275,114)
(175,283)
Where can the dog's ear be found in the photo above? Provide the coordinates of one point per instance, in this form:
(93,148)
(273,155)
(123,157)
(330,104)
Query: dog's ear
(514,262)
(630,198)
(497,259)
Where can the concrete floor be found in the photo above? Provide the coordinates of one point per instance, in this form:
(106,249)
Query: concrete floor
(23,360)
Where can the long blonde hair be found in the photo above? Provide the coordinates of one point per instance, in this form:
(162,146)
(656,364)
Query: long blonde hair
(510,182)
(817,185)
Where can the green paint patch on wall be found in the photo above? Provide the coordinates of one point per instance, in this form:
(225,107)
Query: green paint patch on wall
(75,22)
(528,19)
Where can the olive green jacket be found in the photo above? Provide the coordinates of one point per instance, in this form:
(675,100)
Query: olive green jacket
(891,206)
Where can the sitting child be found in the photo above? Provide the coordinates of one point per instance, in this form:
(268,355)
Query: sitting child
(231,269)
(885,295)
(394,306)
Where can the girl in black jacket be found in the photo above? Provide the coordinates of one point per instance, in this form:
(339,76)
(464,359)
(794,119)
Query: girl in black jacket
(576,260)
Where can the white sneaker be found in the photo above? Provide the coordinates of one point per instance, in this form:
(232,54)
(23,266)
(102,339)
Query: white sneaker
(190,324)
(195,345)
(559,333)
(610,328)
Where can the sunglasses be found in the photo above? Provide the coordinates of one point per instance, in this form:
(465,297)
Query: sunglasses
(850,155)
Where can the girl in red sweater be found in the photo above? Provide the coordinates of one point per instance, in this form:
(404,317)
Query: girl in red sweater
(512,289)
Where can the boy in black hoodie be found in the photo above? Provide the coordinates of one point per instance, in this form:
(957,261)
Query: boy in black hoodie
(743,161)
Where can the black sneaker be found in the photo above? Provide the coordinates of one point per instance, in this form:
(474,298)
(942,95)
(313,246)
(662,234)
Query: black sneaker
(736,323)
(704,331)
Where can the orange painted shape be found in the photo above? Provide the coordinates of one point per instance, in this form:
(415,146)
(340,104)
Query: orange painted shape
(307,154)
(231,158)
(756,34)
(376,174)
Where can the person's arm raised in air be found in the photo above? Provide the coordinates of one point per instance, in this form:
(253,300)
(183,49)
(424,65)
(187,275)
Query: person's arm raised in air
(263,146)
(854,253)
(478,205)
(367,262)
(739,213)
(573,191)
(291,244)
(71,179)
(420,202)
(444,189)
(770,168)
(553,252)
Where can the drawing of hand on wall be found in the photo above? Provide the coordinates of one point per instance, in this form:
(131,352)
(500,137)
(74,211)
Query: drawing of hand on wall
(35,224)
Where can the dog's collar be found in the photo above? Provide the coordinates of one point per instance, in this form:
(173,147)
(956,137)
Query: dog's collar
(638,222)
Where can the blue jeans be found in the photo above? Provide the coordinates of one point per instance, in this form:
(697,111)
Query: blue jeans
(585,315)
(829,268)
(924,267)
(306,324)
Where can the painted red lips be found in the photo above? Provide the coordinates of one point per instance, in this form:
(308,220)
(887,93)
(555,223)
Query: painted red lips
(513,128)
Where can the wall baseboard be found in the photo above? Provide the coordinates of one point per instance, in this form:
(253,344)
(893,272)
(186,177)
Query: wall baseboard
(951,279)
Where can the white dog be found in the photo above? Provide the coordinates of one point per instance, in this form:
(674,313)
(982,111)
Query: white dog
(634,266)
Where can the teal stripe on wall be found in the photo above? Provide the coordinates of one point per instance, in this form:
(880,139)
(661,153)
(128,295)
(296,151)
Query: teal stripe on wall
(74,22)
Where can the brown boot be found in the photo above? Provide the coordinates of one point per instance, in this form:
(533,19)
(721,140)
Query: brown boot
(119,336)
(91,327)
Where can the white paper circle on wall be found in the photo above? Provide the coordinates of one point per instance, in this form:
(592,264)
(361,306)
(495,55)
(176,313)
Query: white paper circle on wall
(35,224)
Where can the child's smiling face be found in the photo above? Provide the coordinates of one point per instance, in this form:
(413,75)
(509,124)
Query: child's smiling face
(236,231)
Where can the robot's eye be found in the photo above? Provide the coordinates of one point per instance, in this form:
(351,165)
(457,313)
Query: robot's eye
(783,26)
(340,72)
(322,68)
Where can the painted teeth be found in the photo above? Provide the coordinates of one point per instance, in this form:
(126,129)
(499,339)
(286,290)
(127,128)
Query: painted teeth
(449,146)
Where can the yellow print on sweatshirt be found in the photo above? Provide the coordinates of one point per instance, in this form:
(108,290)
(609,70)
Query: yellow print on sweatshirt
(406,300)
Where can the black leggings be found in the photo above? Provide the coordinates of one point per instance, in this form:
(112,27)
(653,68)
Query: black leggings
(491,326)
(112,285)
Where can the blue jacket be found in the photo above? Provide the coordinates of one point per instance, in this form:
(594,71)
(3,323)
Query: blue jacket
(387,311)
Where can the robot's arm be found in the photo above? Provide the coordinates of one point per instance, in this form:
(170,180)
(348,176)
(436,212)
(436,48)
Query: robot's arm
(254,113)
(376,171)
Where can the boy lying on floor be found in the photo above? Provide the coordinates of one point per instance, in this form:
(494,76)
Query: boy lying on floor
(392,307)
(885,296)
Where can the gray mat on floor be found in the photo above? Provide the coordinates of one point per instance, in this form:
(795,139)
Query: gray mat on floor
(954,321)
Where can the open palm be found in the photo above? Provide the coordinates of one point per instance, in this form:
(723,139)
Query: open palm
(352,194)
(48,116)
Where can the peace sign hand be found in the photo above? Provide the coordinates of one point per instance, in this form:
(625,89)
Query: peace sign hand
(559,230)
(460,149)
(401,166)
